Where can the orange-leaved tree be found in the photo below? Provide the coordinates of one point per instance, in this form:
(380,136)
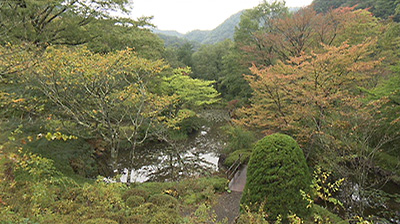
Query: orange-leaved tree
(307,94)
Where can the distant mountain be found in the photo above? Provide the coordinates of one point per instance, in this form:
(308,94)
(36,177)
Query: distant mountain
(224,31)
(172,33)
(220,33)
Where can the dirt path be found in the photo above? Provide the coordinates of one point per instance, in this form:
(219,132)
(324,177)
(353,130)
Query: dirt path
(229,203)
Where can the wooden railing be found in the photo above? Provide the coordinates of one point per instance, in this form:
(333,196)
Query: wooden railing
(230,173)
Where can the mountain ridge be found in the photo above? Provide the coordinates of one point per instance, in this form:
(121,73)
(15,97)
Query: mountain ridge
(222,32)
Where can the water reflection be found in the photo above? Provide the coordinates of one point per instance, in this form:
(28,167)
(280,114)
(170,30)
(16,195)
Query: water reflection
(196,156)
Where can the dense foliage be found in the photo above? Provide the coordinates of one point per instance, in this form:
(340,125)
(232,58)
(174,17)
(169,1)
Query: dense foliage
(78,83)
(34,192)
(277,163)
(381,8)
(319,82)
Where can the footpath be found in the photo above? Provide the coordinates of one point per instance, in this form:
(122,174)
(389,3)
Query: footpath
(229,203)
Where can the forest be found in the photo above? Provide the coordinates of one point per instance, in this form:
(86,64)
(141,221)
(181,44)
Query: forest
(307,99)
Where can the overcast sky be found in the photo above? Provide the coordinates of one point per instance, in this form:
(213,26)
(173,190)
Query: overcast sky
(187,15)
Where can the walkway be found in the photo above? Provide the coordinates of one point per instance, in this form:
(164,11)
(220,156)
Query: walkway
(239,180)
(229,203)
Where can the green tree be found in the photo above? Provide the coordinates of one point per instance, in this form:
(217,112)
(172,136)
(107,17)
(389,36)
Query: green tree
(327,5)
(233,85)
(185,53)
(100,95)
(221,62)
(277,163)
(208,61)
(253,24)
(53,21)
(118,34)
(191,93)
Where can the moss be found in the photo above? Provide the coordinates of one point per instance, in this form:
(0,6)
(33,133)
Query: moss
(195,198)
(192,198)
(277,171)
(217,183)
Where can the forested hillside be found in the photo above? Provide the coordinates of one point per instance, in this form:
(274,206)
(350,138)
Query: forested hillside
(380,8)
(308,98)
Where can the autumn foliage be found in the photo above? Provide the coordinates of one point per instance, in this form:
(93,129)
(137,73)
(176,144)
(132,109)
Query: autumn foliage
(299,96)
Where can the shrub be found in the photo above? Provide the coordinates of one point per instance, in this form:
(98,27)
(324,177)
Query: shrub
(197,197)
(100,220)
(238,138)
(217,183)
(245,156)
(277,171)
(143,212)
(73,157)
(195,185)
(135,192)
(163,200)
(323,215)
(166,216)
(134,201)
(155,187)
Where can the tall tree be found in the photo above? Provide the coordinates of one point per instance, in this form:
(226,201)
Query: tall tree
(118,34)
(208,61)
(104,96)
(319,98)
(53,21)
(192,93)
(184,54)
(253,24)
(299,96)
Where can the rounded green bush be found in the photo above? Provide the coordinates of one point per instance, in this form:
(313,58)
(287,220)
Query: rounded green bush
(135,192)
(167,216)
(134,201)
(163,200)
(276,173)
(100,220)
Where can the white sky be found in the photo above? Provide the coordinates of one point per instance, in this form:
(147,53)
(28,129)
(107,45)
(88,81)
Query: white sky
(187,15)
